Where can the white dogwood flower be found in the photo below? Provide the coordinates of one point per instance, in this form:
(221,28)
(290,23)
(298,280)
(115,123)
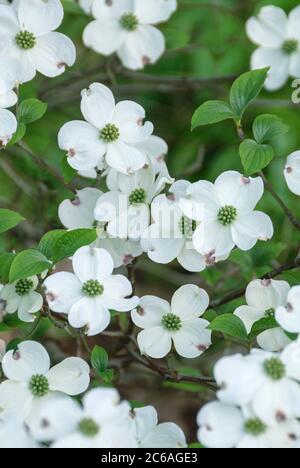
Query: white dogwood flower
(101,422)
(27,35)
(226,211)
(79,213)
(8,126)
(88,294)
(269,382)
(156,150)
(278,38)
(21,297)
(111,130)
(9,79)
(224,426)
(263,297)
(288,314)
(292,172)
(143,422)
(30,379)
(126,208)
(127,28)
(179,323)
(170,236)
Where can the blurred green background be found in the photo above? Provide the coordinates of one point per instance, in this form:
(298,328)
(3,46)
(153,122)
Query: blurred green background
(206,48)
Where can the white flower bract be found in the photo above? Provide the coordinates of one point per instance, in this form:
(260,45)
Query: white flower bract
(292,172)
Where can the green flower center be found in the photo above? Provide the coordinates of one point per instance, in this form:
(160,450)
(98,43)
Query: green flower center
(88,427)
(39,386)
(110,133)
(25,40)
(290,46)
(270,312)
(129,22)
(187,227)
(92,288)
(137,196)
(255,427)
(171,322)
(274,368)
(23,286)
(227,215)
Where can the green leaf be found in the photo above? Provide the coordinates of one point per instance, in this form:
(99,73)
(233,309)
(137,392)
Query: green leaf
(255,156)
(9,219)
(229,324)
(212,112)
(72,7)
(266,323)
(68,243)
(31,110)
(48,241)
(6,260)
(176,38)
(107,375)
(245,89)
(292,277)
(18,135)
(28,263)
(268,127)
(99,359)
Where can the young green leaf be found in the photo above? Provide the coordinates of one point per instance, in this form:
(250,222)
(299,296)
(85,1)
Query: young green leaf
(48,241)
(99,359)
(212,112)
(28,263)
(6,260)
(9,219)
(245,89)
(268,127)
(266,323)
(231,325)
(255,156)
(67,244)
(31,110)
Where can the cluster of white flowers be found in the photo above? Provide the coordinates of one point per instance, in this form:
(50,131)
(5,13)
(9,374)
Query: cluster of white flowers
(127,28)
(37,409)
(258,402)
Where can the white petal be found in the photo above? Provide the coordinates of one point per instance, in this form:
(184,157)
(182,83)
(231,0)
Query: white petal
(86,5)
(291,358)
(243,193)
(165,435)
(220,426)
(288,319)
(27,70)
(141,47)
(13,435)
(295,65)
(56,417)
(116,289)
(129,117)
(71,376)
(161,250)
(293,23)
(267,294)
(30,304)
(125,158)
(144,420)
(138,220)
(79,213)
(155,342)
(89,313)
(30,358)
(92,263)
(8,126)
(251,227)
(279,63)
(202,200)
(269,28)
(40,17)
(191,260)
(103,404)
(273,340)
(249,315)
(193,338)
(212,239)
(112,10)
(8,99)
(15,400)
(52,54)
(292,172)
(103,37)
(150,312)
(156,149)
(97,105)
(189,302)
(9,24)
(153,13)
(62,291)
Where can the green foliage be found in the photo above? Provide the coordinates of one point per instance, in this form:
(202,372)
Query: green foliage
(212,112)
(230,325)
(66,244)
(99,361)
(266,323)
(19,135)
(255,156)
(9,219)
(31,110)
(28,263)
